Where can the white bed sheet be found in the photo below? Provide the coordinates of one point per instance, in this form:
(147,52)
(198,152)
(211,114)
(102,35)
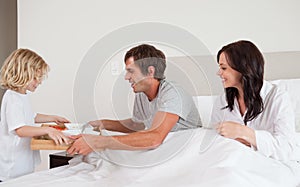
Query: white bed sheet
(195,162)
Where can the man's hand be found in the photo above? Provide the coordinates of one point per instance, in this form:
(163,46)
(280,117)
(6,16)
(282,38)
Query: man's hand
(83,144)
(97,125)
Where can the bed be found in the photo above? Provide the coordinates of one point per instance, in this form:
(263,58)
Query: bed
(222,162)
(197,157)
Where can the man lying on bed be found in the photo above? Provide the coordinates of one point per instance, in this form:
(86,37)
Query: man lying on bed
(159,107)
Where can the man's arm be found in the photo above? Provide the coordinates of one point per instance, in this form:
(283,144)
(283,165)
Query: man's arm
(162,124)
(125,126)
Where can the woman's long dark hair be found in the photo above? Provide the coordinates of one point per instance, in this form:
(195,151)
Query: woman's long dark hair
(244,57)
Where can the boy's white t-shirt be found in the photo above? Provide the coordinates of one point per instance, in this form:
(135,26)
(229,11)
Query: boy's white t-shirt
(16,157)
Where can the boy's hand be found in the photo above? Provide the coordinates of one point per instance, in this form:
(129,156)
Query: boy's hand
(59,119)
(58,137)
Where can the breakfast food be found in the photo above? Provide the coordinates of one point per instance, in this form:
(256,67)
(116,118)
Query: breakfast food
(60,127)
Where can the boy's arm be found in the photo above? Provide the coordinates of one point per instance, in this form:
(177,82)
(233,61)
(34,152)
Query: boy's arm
(42,118)
(30,131)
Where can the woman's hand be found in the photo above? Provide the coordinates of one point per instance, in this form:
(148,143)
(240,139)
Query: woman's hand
(237,131)
(230,129)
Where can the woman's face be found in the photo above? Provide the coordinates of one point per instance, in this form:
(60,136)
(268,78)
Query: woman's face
(229,76)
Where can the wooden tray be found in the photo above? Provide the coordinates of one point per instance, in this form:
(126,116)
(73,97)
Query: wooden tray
(42,144)
(45,143)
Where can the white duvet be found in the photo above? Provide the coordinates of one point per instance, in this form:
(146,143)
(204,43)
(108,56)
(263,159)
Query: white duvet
(188,158)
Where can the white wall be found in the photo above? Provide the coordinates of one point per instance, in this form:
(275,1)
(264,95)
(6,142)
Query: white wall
(64,31)
(67,32)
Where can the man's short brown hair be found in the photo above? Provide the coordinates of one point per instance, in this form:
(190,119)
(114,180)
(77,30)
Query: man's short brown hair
(147,55)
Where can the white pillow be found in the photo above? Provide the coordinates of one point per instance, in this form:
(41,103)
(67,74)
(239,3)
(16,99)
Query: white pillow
(204,105)
(292,86)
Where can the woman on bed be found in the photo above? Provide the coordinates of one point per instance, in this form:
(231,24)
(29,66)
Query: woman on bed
(253,111)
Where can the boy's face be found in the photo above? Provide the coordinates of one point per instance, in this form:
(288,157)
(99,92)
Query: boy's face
(37,80)
(135,77)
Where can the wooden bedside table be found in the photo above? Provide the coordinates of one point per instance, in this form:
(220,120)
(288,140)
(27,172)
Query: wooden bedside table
(59,159)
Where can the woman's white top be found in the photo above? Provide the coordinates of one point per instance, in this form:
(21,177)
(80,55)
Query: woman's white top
(274,127)
(16,157)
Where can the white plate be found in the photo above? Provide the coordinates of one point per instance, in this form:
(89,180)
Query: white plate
(74,126)
(71,132)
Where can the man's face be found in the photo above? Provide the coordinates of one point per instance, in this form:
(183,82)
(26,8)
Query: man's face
(135,77)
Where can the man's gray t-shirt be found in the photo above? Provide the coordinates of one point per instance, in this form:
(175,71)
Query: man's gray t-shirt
(171,98)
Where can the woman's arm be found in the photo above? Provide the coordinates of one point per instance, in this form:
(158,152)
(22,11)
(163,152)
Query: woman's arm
(278,139)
